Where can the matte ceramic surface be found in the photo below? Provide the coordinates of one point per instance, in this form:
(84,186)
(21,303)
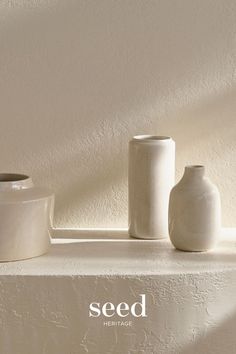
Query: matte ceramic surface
(194,212)
(25,218)
(151,177)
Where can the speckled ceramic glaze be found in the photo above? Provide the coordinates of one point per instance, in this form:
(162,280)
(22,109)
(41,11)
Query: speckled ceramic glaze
(25,218)
(151,177)
(194,212)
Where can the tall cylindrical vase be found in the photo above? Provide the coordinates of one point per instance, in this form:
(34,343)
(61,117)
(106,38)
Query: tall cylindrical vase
(151,178)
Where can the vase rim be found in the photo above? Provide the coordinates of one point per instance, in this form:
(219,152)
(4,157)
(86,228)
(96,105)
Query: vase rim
(145,138)
(194,171)
(14,181)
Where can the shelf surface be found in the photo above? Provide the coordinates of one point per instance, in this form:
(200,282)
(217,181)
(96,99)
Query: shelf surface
(112,252)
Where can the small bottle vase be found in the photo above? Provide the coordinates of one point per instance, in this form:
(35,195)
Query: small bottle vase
(194,212)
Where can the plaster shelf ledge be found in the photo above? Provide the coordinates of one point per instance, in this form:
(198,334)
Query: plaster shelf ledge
(112,252)
(190,300)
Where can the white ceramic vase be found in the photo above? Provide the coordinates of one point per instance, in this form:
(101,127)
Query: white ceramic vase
(194,212)
(25,218)
(151,177)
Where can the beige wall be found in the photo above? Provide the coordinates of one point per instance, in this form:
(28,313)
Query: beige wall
(79,78)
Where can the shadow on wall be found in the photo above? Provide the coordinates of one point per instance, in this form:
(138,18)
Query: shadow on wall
(208,141)
(78,80)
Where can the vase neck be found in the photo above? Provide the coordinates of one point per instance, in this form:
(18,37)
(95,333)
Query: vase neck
(194,172)
(13,181)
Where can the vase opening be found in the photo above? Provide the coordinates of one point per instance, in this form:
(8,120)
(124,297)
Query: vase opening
(151,137)
(12,177)
(194,170)
(195,166)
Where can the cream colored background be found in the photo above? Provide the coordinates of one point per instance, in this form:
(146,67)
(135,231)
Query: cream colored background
(79,78)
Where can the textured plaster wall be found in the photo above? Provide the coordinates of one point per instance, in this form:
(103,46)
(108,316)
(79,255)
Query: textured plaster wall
(79,78)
